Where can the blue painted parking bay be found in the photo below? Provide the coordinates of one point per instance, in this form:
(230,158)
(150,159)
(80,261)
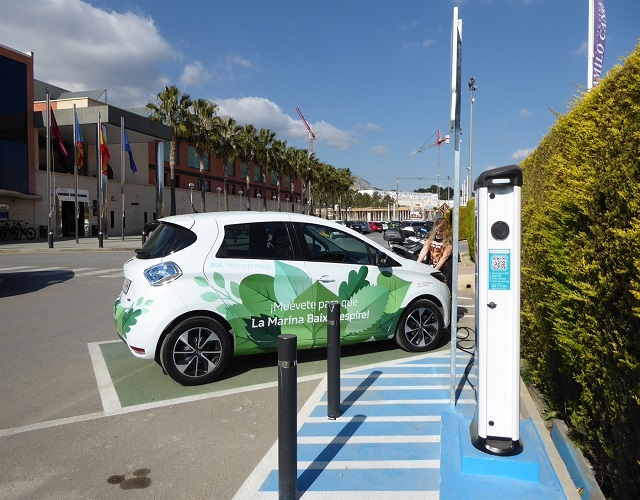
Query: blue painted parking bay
(399,437)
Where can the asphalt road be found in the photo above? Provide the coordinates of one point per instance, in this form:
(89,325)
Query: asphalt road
(56,440)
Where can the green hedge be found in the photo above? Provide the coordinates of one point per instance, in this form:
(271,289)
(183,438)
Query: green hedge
(581,274)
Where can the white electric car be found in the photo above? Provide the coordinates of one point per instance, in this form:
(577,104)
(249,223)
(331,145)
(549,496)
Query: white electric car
(206,287)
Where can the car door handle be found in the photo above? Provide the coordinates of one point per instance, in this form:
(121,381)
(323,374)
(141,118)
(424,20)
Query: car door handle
(325,279)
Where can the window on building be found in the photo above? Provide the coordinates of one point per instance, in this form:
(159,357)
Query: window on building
(231,168)
(243,169)
(274,178)
(257,173)
(194,159)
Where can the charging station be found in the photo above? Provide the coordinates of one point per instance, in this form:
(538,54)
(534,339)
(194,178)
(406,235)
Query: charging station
(495,428)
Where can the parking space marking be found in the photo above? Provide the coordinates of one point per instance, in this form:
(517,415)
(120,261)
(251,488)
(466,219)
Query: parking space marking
(108,395)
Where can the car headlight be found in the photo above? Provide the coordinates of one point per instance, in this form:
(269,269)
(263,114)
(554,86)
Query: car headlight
(162,273)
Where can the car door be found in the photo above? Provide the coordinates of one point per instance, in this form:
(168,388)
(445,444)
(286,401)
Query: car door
(258,275)
(342,268)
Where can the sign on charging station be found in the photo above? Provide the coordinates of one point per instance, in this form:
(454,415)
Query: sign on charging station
(495,428)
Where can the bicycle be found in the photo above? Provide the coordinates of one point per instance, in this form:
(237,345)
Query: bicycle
(19,228)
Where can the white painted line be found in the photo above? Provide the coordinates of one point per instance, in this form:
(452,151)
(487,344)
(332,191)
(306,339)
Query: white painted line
(347,495)
(410,402)
(99,271)
(14,268)
(368,439)
(371,464)
(51,423)
(110,401)
(390,418)
(403,375)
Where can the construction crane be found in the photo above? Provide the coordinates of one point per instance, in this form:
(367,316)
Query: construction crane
(438,142)
(312,137)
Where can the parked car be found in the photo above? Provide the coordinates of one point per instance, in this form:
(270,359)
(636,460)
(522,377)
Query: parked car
(150,227)
(352,224)
(393,224)
(210,286)
(364,227)
(376,226)
(414,228)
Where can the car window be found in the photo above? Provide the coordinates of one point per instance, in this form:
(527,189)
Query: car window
(256,240)
(165,240)
(326,244)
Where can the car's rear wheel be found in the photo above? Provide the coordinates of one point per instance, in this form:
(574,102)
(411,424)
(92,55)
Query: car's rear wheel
(421,327)
(196,351)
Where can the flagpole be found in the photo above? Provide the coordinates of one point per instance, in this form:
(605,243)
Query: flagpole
(75,171)
(48,133)
(122,170)
(98,142)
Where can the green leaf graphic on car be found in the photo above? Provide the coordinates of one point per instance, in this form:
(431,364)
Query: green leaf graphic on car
(261,307)
(126,317)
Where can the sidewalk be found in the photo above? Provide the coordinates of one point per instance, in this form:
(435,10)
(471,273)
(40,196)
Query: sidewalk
(68,244)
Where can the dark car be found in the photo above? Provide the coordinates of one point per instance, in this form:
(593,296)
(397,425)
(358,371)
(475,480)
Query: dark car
(150,227)
(352,224)
(364,227)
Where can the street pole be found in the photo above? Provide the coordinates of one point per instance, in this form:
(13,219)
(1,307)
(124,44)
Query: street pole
(472,89)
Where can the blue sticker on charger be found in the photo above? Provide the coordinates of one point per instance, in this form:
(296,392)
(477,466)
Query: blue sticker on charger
(500,269)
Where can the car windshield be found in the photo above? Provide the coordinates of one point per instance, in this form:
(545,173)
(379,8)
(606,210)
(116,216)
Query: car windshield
(167,239)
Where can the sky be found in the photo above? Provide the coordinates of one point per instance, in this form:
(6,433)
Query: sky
(372,77)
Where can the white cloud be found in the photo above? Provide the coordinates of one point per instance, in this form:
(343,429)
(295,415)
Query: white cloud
(263,113)
(81,47)
(194,75)
(372,127)
(581,51)
(428,42)
(524,113)
(521,154)
(380,150)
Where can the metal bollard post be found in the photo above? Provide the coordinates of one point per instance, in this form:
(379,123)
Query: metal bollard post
(333,360)
(144,237)
(287,417)
(50,239)
(100,240)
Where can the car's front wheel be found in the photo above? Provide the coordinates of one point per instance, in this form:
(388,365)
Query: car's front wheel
(421,327)
(196,351)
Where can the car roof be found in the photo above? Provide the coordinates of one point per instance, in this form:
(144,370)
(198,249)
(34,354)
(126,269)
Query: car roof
(235,217)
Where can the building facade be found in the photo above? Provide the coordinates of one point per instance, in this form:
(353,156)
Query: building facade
(44,190)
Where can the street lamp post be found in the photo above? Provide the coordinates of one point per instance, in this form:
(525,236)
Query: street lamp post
(274,202)
(472,89)
(240,193)
(218,189)
(286,200)
(191,186)
(259,206)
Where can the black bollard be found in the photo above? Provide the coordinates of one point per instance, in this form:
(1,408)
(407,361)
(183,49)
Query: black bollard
(50,239)
(287,417)
(100,240)
(144,237)
(333,360)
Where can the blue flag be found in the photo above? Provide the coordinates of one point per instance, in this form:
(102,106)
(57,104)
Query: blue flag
(127,148)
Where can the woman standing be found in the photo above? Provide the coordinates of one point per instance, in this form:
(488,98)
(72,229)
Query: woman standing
(439,247)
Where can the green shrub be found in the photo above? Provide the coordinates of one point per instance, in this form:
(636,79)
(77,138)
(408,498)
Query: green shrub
(580,319)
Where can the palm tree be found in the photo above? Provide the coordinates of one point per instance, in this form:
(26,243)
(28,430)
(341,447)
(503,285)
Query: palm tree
(246,148)
(225,146)
(172,109)
(265,142)
(300,170)
(202,124)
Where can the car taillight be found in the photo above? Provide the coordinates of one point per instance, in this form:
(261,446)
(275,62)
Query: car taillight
(162,273)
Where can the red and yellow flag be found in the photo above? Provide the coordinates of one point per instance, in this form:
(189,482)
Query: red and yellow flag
(104,150)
